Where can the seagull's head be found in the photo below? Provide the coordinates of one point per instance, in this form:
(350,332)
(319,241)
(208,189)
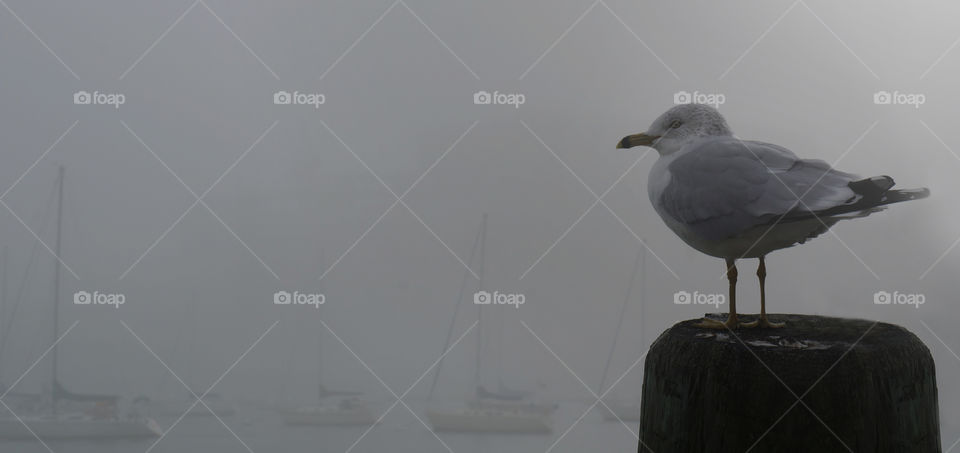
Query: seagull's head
(677,126)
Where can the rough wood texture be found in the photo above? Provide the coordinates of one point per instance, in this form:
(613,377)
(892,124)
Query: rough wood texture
(865,387)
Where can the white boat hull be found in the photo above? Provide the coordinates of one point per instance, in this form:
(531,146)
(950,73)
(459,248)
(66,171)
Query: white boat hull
(55,428)
(485,421)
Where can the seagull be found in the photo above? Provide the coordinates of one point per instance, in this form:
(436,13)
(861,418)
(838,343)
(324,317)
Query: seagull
(736,199)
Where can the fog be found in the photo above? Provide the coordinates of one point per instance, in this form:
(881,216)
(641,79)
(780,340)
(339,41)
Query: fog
(199,197)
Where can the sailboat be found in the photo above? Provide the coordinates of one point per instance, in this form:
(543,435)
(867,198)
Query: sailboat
(348,410)
(624,410)
(90,416)
(333,407)
(506,398)
(489,412)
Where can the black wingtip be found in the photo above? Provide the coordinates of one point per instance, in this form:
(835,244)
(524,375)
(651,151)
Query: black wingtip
(872,188)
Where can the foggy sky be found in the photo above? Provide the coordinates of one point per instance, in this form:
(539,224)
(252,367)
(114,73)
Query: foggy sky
(398,99)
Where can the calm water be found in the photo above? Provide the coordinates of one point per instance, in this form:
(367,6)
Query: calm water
(263,432)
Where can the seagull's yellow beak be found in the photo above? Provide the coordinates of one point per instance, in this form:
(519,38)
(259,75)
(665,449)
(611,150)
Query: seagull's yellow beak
(637,140)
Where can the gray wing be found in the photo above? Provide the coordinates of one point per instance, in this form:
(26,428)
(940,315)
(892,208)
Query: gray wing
(725,186)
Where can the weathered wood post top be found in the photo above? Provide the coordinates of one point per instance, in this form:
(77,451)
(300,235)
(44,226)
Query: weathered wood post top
(819,384)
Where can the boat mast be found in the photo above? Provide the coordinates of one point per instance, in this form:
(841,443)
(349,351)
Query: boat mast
(321,390)
(623,308)
(483,244)
(56,295)
(453,320)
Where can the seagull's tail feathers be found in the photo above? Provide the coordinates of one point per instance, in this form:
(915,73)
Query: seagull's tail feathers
(896,196)
(875,191)
(870,195)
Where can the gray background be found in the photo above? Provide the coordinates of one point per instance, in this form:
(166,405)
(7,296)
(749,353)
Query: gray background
(399,79)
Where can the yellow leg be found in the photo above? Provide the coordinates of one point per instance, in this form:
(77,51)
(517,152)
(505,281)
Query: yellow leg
(762,275)
(732,321)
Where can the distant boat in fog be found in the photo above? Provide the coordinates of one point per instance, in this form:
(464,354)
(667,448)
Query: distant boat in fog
(333,407)
(504,411)
(61,414)
(623,410)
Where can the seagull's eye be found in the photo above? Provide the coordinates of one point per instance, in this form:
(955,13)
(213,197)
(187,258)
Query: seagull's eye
(675,124)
